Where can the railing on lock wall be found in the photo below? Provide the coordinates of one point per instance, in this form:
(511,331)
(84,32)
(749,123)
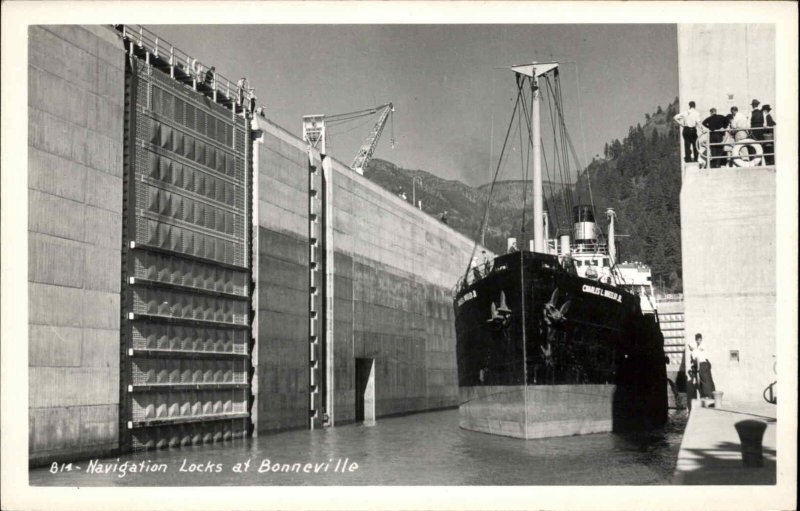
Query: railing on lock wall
(737,147)
(183,67)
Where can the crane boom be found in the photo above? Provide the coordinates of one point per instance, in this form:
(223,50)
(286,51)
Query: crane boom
(315,132)
(371,142)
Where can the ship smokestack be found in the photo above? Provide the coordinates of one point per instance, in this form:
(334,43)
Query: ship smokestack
(612,245)
(584,229)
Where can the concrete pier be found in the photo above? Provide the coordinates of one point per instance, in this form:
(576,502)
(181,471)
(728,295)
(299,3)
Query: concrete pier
(710,451)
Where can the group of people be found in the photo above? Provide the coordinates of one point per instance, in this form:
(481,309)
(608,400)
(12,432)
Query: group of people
(727,130)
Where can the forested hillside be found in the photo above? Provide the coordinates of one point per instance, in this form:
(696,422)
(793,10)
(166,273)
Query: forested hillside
(640,177)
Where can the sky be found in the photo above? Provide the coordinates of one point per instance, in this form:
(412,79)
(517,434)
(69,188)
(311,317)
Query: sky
(450,84)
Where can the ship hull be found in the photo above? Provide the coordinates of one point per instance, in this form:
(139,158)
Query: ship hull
(539,411)
(542,352)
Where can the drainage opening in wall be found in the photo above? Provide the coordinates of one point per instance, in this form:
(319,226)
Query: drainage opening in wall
(365,391)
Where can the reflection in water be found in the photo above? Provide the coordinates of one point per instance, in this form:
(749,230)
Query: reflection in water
(422,449)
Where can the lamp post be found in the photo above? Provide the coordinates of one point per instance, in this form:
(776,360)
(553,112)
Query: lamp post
(414,189)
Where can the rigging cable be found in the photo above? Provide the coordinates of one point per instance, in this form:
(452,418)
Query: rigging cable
(550,183)
(359,125)
(577,161)
(575,156)
(566,196)
(558,102)
(494,181)
(566,143)
(580,120)
(491,147)
(558,152)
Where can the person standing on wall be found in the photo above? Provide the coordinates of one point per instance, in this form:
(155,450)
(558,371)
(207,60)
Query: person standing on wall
(769,135)
(689,121)
(739,123)
(702,366)
(714,123)
(210,76)
(241,88)
(756,121)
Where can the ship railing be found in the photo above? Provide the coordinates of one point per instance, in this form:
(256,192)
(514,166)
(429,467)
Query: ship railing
(676,297)
(751,147)
(474,274)
(183,67)
(589,248)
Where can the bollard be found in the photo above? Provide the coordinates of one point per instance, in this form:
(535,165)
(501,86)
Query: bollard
(751,433)
(717,398)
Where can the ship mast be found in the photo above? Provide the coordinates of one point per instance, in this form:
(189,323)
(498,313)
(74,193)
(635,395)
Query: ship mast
(533,72)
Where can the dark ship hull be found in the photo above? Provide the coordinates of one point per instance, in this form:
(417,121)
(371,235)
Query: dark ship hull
(567,356)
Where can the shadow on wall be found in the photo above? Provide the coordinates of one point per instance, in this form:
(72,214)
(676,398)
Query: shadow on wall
(640,399)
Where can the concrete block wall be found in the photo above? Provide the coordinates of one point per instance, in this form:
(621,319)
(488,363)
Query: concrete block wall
(281,356)
(728,229)
(393,271)
(75,105)
(725,65)
(394,268)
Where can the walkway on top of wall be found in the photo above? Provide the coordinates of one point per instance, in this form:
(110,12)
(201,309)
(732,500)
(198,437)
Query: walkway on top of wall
(711,450)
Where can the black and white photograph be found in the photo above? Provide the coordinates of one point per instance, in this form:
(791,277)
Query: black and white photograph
(399,255)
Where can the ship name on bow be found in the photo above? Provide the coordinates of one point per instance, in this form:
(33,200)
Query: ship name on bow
(602,292)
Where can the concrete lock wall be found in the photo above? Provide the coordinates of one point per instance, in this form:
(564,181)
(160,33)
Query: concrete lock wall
(394,270)
(728,239)
(725,65)
(75,146)
(280,358)
(728,216)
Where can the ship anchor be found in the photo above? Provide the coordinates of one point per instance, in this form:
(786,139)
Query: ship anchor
(501,314)
(555,316)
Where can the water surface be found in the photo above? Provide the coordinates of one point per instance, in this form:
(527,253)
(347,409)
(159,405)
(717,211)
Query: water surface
(420,449)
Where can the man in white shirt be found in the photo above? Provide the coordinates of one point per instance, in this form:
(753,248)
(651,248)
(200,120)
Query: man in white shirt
(700,366)
(739,122)
(689,121)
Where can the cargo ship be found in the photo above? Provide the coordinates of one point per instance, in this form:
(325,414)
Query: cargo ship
(544,349)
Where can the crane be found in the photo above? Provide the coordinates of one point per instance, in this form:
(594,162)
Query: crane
(368,147)
(314,131)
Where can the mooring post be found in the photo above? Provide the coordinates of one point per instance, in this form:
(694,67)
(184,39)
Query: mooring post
(751,434)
